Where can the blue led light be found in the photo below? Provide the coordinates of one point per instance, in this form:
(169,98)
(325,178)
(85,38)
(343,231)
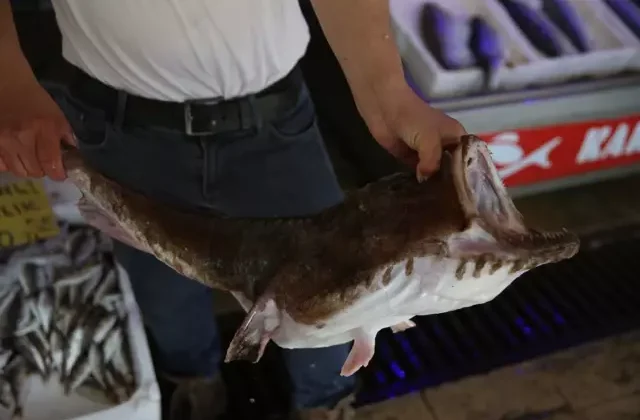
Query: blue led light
(397,370)
(558,318)
(523,326)
(534,315)
(413,358)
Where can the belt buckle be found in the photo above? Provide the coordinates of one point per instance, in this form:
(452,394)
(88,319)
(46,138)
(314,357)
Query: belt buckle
(188,116)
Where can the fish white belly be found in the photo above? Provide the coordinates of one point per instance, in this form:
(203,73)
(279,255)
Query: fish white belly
(431,288)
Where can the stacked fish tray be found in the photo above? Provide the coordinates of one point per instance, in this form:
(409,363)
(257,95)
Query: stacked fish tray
(73,345)
(454,48)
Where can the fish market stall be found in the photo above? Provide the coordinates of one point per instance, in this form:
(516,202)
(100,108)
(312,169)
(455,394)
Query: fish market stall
(551,85)
(72,343)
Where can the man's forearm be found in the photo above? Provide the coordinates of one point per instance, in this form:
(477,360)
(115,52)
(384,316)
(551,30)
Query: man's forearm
(14,67)
(360,36)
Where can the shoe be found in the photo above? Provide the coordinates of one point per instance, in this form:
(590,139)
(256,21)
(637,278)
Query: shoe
(197,398)
(342,411)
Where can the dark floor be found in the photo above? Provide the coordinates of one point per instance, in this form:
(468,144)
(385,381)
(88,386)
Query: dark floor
(597,381)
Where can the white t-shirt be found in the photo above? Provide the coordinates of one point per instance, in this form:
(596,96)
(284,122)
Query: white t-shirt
(183,49)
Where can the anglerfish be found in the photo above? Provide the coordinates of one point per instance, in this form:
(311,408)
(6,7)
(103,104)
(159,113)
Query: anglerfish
(392,250)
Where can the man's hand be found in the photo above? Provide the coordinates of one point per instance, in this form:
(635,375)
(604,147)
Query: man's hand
(359,34)
(406,126)
(31,124)
(31,130)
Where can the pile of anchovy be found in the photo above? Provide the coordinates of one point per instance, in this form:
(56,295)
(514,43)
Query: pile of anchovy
(62,316)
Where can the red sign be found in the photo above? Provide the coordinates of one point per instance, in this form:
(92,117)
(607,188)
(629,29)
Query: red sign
(527,156)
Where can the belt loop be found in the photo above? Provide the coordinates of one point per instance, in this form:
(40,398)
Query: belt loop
(121,107)
(255,114)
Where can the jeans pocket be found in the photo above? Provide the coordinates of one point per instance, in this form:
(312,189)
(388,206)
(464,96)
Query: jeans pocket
(90,125)
(294,123)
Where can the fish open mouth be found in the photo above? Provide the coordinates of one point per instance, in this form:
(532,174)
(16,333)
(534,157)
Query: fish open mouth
(486,202)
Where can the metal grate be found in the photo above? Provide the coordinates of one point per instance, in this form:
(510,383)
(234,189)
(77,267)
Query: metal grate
(594,295)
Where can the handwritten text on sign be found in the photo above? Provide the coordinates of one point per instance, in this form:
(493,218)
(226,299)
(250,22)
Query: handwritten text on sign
(25,214)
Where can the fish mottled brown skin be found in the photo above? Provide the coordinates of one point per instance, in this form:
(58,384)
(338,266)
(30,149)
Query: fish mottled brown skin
(312,265)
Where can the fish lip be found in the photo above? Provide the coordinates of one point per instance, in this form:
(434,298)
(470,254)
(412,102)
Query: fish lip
(511,232)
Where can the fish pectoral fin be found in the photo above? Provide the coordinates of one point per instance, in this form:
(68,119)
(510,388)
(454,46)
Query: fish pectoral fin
(401,326)
(361,353)
(255,332)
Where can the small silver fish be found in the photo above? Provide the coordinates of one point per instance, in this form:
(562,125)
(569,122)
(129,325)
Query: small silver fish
(81,369)
(63,318)
(123,361)
(99,374)
(105,243)
(86,248)
(118,382)
(89,287)
(8,296)
(41,277)
(112,343)
(57,345)
(77,278)
(27,321)
(73,349)
(55,260)
(73,295)
(27,278)
(30,348)
(42,341)
(10,308)
(105,324)
(44,304)
(5,356)
(113,302)
(59,295)
(108,283)
(32,304)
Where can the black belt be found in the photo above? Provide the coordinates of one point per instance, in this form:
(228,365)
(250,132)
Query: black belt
(196,117)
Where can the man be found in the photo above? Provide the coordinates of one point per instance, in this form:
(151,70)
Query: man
(199,103)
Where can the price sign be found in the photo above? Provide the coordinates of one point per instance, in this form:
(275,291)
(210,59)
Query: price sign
(25,214)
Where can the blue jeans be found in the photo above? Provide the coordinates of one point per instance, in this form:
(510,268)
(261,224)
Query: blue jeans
(278,168)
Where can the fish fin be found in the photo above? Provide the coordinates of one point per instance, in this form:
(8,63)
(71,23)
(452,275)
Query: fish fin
(255,332)
(360,355)
(402,326)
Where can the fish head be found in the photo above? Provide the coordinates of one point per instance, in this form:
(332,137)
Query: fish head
(462,212)
(493,224)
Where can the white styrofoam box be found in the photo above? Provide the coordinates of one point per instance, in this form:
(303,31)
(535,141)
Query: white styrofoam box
(46,401)
(612,52)
(433,80)
(613,21)
(63,197)
(61,192)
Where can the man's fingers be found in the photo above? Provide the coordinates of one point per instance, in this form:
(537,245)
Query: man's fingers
(68,137)
(451,131)
(13,162)
(50,156)
(429,155)
(26,150)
